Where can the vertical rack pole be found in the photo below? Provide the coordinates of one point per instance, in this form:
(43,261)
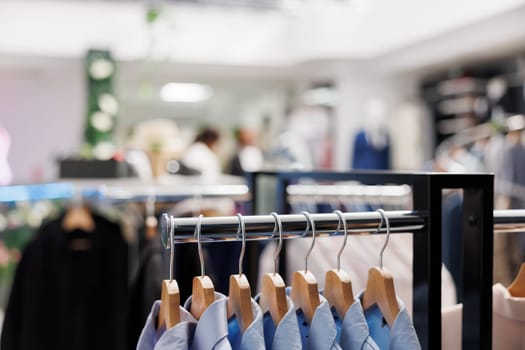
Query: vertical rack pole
(477,248)
(426,263)
(477,264)
(253,248)
(283,207)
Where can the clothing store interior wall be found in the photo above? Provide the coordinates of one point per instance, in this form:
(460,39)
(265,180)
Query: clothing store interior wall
(115,112)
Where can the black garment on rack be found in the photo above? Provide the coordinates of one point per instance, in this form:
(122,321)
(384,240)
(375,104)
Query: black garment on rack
(145,288)
(67,298)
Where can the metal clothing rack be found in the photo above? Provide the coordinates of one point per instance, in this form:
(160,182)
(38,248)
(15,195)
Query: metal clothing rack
(427,189)
(479,221)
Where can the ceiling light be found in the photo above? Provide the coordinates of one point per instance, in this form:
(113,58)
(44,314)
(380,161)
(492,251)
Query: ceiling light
(185,92)
(322,96)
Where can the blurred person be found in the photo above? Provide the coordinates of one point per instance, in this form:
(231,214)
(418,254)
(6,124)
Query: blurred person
(371,145)
(248,157)
(201,154)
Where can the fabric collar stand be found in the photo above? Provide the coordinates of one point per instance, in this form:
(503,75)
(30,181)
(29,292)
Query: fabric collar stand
(178,337)
(402,335)
(355,333)
(150,334)
(181,335)
(287,335)
(322,330)
(284,336)
(253,336)
(212,327)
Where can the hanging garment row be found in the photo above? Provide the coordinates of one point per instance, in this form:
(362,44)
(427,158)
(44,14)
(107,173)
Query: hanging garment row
(280,317)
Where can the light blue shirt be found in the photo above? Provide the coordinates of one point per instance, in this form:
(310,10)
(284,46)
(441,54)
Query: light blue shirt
(253,336)
(402,335)
(284,336)
(177,337)
(211,332)
(354,330)
(321,334)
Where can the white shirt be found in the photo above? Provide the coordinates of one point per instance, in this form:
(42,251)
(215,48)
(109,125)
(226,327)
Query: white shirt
(199,157)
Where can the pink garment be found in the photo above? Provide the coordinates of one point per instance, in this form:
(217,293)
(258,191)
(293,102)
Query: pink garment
(508,322)
(451,327)
(5,170)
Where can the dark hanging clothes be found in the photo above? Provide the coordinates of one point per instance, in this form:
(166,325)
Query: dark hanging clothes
(145,288)
(366,156)
(69,298)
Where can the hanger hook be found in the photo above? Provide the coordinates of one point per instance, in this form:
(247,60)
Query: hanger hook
(172,246)
(197,233)
(385,219)
(242,231)
(278,226)
(345,230)
(309,223)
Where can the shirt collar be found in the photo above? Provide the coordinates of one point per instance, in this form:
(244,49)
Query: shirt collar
(322,329)
(179,336)
(287,331)
(253,336)
(150,334)
(506,305)
(212,327)
(355,331)
(402,334)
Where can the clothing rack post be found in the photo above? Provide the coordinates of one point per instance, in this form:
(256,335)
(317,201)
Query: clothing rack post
(427,191)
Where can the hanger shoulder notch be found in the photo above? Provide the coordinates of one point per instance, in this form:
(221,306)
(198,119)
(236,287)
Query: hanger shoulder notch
(169,304)
(78,217)
(240,301)
(203,295)
(305,293)
(517,287)
(273,296)
(338,291)
(380,290)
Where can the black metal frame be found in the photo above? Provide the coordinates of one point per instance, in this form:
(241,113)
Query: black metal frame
(427,189)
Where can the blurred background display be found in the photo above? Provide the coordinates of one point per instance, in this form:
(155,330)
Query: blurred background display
(119,111)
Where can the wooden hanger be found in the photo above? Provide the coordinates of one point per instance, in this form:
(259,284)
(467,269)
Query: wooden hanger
(517,287)
(305,293)
(203,291)
(78,217)
(380,284)
(338,291)
(380,290)
(240,301)
(273,294)
(337,286)
(202,295)
(169,313)
(239,295)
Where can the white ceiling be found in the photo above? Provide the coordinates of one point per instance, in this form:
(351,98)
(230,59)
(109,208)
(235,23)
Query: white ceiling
(357,29)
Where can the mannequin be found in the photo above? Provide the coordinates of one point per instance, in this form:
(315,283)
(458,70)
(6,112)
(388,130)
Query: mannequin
(372,143)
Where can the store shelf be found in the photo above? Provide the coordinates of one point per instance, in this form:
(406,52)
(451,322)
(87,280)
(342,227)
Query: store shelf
(170,188)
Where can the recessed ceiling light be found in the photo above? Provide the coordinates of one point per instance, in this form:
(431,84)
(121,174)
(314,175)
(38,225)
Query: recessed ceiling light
(185,92)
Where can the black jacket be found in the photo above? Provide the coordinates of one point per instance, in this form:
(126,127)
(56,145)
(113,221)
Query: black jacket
(65,298)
